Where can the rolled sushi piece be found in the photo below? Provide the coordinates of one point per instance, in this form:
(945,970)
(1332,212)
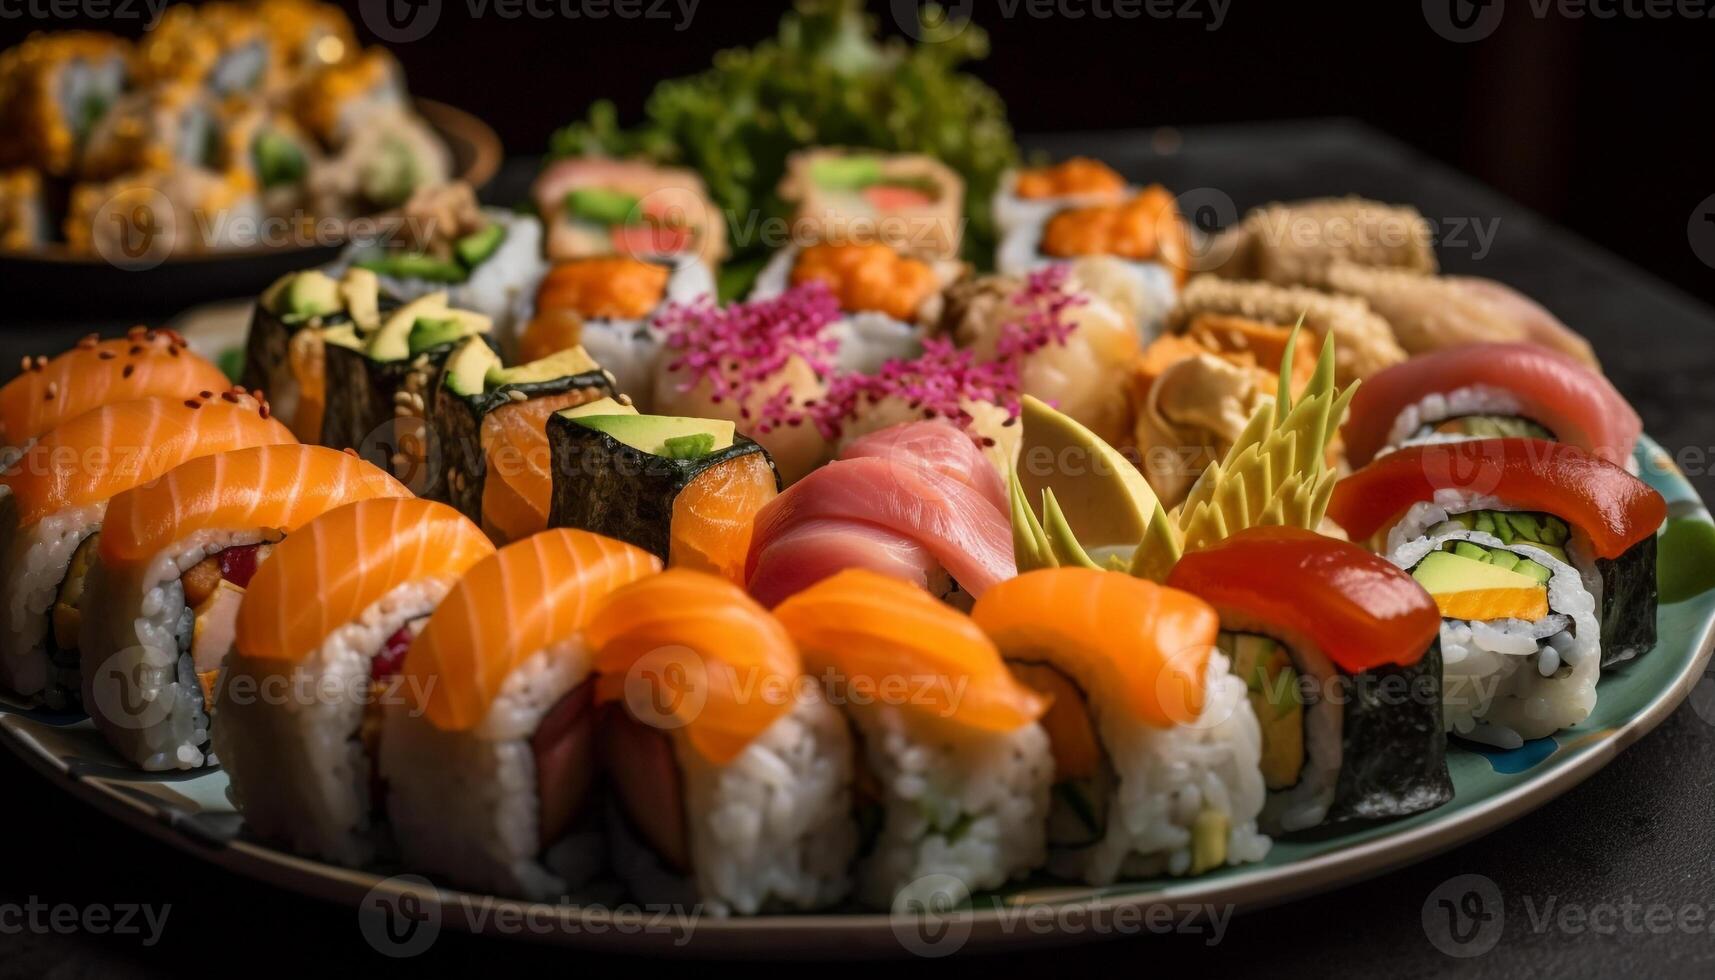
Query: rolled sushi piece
(157,129)
(487,260)
(221,47)
(1298,243)
(175,559)
(886,296)
(489,760)
(1340,651)
(1156,749)
(52,506)
(25,223)
(1490,390)
(285,351)
(919,502)
(911,203)
(1541,558)
(609,306)
(319,645)
(596,206)
(1030,195)
(144,363)
(1142,237)
(626,475)
(265,150)
(380,383)
(1366,341)
(57,87)
(491,424)
(731,789)
(953,776)
(193,210)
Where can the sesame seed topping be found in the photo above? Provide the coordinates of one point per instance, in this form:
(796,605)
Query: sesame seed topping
(192,403)
(107,355)
(130,369)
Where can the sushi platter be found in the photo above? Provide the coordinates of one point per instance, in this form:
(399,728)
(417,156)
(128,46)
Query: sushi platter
(996,547)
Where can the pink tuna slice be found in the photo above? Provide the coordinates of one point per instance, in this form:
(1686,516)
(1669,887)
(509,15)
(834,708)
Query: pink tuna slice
(814,550)
(1581,407)
(941,446)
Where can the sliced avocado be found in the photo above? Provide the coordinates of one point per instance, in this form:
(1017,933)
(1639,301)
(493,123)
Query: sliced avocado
(601,406)
(279,160)
(415,265)
(602,206)
(361,290)
(305,296)
(650,433)
(431,332)
(469,367)
(344,335)
(1533,570)
(392,340)
(694,446)
(1209,841)
(563,364)
(1442,573)
(475,248)
(1105,499)
(852,173)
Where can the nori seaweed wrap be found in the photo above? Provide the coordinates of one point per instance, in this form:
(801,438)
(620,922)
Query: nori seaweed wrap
(1629,600)
(619,475)
(286,362)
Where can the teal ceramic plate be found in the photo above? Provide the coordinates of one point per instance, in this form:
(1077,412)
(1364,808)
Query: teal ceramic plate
(190,810)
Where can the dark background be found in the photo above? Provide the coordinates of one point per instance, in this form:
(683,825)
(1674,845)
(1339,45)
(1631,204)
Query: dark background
(1600,123)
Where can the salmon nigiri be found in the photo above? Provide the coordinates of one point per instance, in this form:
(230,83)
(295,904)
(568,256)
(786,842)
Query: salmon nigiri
(953,758)
(708,717)
(142,364)
(1156,747)
(489,752)
(333,610)
(58,492)
(176,557)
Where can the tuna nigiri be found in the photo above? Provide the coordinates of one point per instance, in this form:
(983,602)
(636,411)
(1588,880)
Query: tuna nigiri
(955,767)
(142,364)
(730,772)
(54,498)
(332,611)
(176,557)
(489,757)
(958,523)
(1491,389)
(1156,748)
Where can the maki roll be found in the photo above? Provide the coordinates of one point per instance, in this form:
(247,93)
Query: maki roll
(609,305)
(52,505)
(193,211)
(489,759)
(1032,194)
(1366,341)
(285,353)
(24,220)
(490,423)
(886,297)
(731,787)
(917,501)
(1492,390)
(144,363)
(221,47)
(1541,558)
(1142,239)
(155,130)
(627,475)
(1156,749)
(380,383)
(1340,652)
(594,206)
(319,645)
(54,89)
(485,259)
(175,559)
(266,151)
(338,101)
(1297,244)
(953,777)
(911,203)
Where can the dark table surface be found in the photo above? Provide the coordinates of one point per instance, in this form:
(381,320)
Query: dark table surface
(1616,877)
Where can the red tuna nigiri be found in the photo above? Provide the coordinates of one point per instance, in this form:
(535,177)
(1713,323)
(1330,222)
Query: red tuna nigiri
(1615,508)
(1581,407)
(940,446)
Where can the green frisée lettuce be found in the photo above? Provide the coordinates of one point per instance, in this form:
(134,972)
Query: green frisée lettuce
(825,80)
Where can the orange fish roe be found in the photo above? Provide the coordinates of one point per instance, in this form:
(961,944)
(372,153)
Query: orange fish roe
(611,287)
(869,277)
(1079,175)
(1144,228)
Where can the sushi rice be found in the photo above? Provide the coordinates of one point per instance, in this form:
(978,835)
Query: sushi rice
(36,560)
(1149,287)
(1510,680)
(1412,426)
(866,339)
(630,349)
